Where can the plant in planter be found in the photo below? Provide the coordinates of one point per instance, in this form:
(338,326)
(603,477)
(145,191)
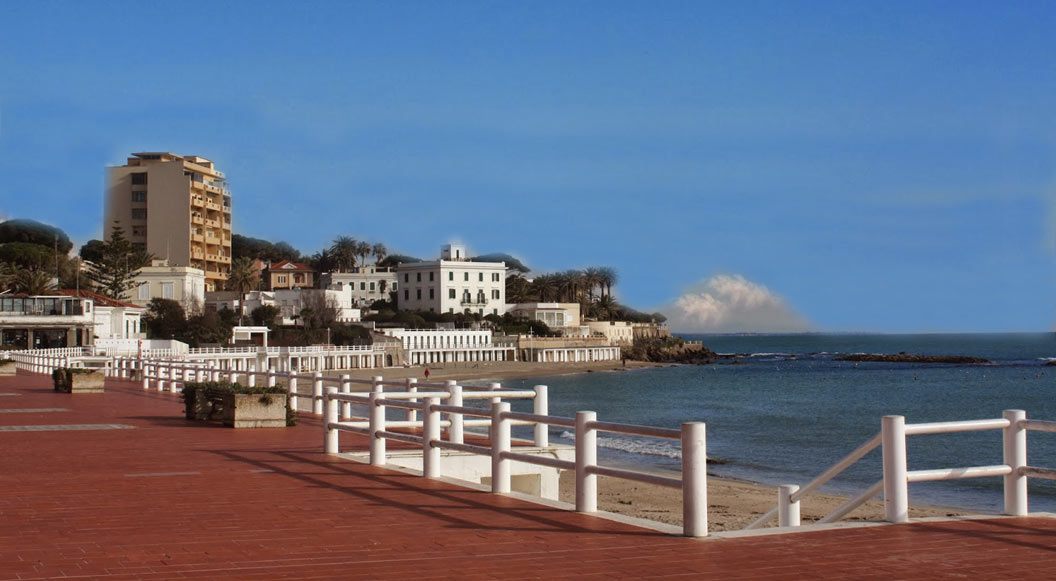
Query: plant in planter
(237,405)
(78,380)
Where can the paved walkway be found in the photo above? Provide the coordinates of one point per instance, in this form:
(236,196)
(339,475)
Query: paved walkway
(120,485)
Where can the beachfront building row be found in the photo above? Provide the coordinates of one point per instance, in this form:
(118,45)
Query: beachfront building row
(366,284)
(441,346)
(453,284)
(178,208)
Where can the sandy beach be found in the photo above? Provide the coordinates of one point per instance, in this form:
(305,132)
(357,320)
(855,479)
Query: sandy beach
(732,504)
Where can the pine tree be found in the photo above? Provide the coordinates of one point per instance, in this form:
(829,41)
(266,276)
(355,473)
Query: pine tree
(119,263)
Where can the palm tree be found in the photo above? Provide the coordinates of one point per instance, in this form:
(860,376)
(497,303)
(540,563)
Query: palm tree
(591,279)
(380,252)
(243,277)
(608,277)
(7,274)
(545,287)
(345,249)
(363,250)
(31,282)
(605,308)
(382,285)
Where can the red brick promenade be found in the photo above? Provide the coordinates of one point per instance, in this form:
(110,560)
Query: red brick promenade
(171,499)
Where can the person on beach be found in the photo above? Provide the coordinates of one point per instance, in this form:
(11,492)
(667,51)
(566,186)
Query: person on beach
(427,374)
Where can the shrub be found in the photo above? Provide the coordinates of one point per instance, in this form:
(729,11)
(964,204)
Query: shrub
(211,390)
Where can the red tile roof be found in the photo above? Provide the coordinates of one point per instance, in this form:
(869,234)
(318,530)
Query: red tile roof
(285,266)
(98,299)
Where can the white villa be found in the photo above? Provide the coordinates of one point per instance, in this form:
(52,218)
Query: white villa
(366,284)
(453,284)
(562,318)
(290,302)
(183,284)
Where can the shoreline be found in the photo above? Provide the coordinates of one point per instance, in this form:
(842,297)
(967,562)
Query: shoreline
(496,370)
(733,502)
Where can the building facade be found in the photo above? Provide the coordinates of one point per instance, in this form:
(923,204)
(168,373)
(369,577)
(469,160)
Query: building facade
(46,322)
(183,284)
(113,319)
(562,318)
(367,284)
(178,208)
(616,332)
(287,274)
(453,284)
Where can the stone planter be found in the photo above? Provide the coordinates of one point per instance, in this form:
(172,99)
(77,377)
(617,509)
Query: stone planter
(66,381)
(9,369)
(255,410)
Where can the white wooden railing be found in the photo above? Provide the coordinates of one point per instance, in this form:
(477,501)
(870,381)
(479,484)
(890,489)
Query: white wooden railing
(498,446)
(896,475)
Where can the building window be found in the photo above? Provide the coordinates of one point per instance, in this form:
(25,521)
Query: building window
(394,287)
(139,196)
(451,310)
(495,277)
(450,293)
(139,179)
(406,277)
(363,286)
(480,277)
(406,295)
(451,276)
(495,293)
(281,279)
(495,311)
(466,276)
(139,230)
(418,294)
(430,277)
(144,291)
(166,290)
(431,296)
(418,276)
(372,286)
(139,213)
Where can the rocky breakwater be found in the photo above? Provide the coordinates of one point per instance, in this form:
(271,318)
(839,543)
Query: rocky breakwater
(670,350)
(904,357)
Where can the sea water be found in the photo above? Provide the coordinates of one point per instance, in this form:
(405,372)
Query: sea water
(787,410)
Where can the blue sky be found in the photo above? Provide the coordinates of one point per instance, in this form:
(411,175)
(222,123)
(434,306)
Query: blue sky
(855,166)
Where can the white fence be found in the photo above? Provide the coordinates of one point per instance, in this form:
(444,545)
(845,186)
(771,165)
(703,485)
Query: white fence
(896,475)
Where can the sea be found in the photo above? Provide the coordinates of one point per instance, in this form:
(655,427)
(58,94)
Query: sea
(780,409)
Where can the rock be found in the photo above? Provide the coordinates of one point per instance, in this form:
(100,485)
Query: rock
(904,357)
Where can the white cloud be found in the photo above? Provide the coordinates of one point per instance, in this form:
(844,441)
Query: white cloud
(733,304)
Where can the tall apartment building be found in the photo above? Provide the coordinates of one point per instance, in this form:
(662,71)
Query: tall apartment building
(177,207)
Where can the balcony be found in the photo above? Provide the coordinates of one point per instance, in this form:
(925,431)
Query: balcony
(213,206)
(212,223)
(197,238)
(197,219)
(197,201)
(478,302)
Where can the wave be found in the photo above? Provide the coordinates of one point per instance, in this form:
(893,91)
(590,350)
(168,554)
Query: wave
(643,446)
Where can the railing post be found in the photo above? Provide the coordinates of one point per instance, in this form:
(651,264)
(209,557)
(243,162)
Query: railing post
(586,457)
(694,479)
(162,375)
(317,393)
(500,443)
(541,407)
(1014,438)
(291,389)
(377,424)
(145,368)
(456,432)
(346,388)
(251,374)
(430,434)
(412,387)
(787,510)
(272,380)
(330,434)
(896,474)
